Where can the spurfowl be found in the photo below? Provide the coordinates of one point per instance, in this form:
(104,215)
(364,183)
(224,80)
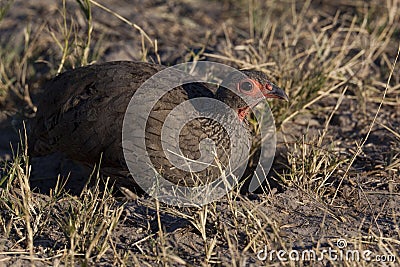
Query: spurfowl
(81,114)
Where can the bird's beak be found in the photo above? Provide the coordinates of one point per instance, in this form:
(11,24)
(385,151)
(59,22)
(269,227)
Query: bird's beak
(275,92)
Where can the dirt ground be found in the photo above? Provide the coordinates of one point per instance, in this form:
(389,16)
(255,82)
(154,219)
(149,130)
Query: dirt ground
(319,191)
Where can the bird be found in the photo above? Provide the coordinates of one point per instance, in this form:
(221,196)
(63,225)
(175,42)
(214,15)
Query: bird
(81,114)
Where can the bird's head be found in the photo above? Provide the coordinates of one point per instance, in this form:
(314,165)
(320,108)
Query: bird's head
(247,89)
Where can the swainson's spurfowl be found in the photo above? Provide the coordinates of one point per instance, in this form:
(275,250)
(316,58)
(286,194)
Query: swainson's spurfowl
(82,111)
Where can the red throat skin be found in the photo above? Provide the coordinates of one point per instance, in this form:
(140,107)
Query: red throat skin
(242,112)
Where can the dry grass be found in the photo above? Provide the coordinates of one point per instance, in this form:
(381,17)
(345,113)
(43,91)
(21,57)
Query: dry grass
(331,61)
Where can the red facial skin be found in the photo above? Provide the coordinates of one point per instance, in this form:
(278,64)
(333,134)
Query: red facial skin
(258,90)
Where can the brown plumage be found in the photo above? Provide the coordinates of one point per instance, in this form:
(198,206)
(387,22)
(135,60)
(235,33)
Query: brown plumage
(81,114)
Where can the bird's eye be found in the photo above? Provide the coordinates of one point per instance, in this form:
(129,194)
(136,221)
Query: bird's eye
(246,86)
